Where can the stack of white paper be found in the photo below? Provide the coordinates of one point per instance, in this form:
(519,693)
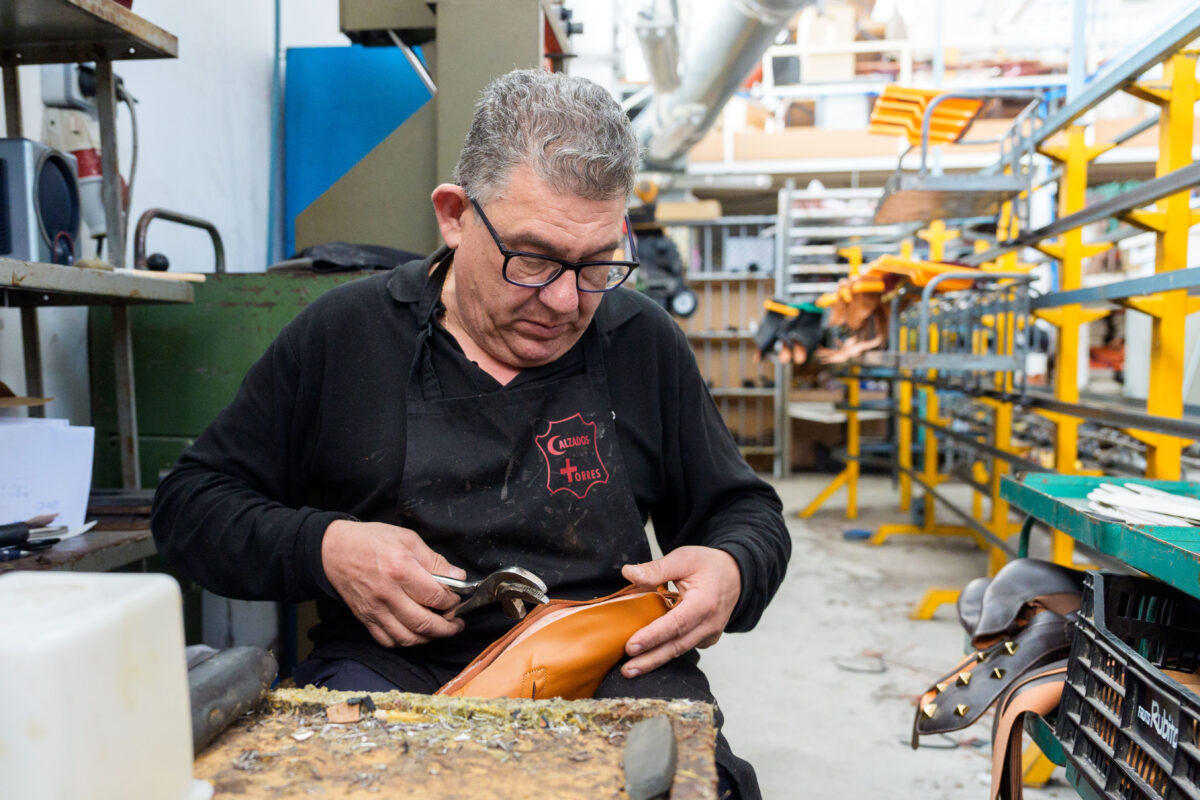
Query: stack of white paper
(45,468)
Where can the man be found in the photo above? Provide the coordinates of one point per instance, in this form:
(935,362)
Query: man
(502,402)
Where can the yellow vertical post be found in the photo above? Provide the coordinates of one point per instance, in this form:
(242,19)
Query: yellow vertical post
(937,236)
(979,473)
(854,258)
(848,477)
(904,427)
(1170,220)
(1002,411)
(1070,252)
(930,472)
(852,444)
(1002,416)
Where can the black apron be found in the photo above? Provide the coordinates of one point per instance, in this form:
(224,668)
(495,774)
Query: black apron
(531,477)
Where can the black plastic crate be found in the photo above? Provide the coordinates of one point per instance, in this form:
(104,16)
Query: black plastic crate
(1130,731)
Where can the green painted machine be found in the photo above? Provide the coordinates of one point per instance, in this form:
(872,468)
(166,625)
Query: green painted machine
(190,360)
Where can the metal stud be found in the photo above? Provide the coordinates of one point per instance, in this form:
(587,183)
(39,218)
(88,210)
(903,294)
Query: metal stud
(929,710)
(960,710)
(964,678)
(981,656)
(941,687)
(998,673)
(1010,648)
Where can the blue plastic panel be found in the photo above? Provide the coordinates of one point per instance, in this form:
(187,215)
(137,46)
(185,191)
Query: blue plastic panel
(340,103)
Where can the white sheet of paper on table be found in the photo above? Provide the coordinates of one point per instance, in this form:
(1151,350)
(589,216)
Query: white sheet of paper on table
(45,469)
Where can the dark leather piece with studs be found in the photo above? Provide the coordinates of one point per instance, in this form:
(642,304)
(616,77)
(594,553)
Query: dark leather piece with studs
(1020,583)
(970,603)
(958,701)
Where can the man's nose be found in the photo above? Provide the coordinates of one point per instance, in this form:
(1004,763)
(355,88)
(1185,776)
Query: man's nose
(561,296)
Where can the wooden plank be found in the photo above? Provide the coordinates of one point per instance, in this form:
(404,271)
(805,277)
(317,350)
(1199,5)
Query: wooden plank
(420,746)
(81,286)
(190,277)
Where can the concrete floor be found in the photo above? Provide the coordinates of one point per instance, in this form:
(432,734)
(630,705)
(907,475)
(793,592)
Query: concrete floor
(803,696)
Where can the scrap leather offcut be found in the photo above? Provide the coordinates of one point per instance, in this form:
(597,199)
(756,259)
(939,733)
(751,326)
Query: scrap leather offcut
(422,746)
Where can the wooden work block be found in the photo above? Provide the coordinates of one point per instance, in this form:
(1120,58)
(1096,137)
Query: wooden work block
(421,746)
(343,713)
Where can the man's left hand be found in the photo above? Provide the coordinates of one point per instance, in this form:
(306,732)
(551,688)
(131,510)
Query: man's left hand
(710,582)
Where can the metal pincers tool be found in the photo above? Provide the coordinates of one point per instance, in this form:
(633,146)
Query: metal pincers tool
(512,587)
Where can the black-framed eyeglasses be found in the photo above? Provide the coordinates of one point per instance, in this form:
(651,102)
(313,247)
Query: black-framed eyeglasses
(534,270)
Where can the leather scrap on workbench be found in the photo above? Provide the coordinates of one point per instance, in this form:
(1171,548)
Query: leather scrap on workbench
(425,746)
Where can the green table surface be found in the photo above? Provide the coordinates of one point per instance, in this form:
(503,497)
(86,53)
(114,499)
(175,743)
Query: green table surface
(1168,553)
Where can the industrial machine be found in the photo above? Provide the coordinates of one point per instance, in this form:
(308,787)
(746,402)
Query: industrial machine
(392,182)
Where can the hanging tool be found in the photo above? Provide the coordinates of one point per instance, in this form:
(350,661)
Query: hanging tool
(510,586)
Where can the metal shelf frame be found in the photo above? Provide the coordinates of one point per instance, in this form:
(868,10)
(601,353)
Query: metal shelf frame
(1167,39)
(733,297)
(857,235)
(1188,279)
(1114,416)
(1170,184)
(924,196)
(1168,297)
(58,31)
(66,31)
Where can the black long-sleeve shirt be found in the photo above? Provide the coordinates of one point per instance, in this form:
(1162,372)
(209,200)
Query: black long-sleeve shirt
(316,433)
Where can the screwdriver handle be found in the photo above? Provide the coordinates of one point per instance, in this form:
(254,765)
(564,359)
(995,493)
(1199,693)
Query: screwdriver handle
(13,533)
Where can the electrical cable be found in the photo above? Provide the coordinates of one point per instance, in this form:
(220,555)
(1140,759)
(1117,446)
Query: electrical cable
(129,101)
(868,662)
(70,255)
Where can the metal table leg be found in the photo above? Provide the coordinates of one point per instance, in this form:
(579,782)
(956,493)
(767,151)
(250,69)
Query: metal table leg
(29,322)
(32,342)
(12,102)
(106,98)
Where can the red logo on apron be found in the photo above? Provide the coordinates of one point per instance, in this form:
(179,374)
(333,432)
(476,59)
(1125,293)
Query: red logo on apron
(572,458)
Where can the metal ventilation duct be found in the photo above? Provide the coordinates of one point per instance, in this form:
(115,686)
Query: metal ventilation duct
(659,38)
(722,53)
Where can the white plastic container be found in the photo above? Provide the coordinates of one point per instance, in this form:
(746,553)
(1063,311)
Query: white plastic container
(95,695)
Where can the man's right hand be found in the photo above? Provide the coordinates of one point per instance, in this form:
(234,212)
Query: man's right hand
(384,573)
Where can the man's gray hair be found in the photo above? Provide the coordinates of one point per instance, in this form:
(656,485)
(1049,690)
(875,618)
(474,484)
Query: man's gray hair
(568,130)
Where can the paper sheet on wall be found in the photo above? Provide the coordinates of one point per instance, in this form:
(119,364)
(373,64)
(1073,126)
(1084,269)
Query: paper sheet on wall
(45,469)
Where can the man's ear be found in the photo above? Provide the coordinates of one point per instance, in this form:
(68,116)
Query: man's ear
(450,204)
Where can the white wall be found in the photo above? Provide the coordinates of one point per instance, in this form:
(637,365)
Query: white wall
(594,51)
(204,125)
(204,149)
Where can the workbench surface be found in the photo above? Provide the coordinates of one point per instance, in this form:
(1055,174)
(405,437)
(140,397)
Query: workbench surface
(418,746)
(94,551)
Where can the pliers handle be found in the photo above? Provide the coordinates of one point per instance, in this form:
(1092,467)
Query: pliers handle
(511,587)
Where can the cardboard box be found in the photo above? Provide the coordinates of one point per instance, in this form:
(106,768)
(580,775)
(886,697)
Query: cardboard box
(808,438)
(834,24)
(687,211)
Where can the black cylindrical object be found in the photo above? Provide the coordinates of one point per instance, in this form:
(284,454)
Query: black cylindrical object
(226,686)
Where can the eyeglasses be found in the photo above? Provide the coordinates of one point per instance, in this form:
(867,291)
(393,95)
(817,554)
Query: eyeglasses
(534,270)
